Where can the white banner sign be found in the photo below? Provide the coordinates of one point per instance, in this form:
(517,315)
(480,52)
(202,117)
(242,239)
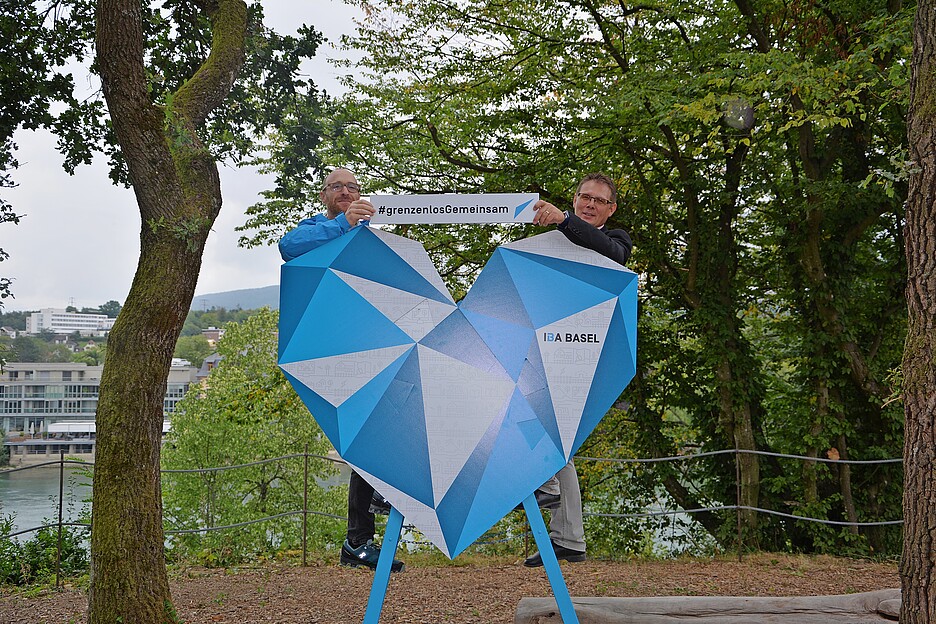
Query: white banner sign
(454,208)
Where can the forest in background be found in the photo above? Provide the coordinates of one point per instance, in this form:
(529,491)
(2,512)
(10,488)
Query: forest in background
(761,157)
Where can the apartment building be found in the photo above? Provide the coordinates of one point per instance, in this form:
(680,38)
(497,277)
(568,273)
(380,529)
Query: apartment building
(61,322)
(46,408)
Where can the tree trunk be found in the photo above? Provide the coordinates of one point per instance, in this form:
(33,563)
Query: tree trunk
(712,294)
(179,196)
(737,389)
(810,477)
(919,360)
(845,485)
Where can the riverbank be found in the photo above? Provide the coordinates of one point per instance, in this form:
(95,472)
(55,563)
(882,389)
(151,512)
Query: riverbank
(479,591)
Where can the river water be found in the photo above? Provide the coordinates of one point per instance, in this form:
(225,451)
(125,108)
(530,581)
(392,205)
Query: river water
(31,496)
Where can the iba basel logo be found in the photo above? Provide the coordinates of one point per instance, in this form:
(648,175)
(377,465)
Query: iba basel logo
(570,337)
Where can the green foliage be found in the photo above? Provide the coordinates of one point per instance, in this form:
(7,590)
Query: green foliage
(35,349)
(14,319)
(247,412)
(197,320)
(193,348)
(93,356)
(33,560)
(6,216)
(761,164)
(110,308)
(39,349)
(4,450)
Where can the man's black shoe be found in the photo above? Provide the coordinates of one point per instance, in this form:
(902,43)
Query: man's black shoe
(379,505)
(543,500)
(568,554)
(365,556)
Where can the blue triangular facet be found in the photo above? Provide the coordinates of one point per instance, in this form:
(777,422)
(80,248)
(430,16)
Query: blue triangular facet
(507,341)
(458,339)
(494,294)
(497,496)
(393,443)
(362,327)
(370,258)
(325,414)
(323,255)
(454,508)
(297,286)
(613,281)
(538,284)
(354,411)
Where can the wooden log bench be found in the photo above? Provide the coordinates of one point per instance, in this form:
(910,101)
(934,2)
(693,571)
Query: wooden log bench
(877,607)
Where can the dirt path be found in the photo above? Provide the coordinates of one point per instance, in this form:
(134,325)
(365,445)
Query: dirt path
(479,593)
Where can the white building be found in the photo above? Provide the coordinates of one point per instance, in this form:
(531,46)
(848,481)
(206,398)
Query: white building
(61,322)
(45,408)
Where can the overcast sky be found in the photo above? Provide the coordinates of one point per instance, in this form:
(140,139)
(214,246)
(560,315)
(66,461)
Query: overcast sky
(78,241)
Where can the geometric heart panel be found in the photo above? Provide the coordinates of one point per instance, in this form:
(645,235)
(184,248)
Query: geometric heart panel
(456,412)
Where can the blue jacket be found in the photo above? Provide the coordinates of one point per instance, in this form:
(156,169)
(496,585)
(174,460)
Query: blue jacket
(312,233)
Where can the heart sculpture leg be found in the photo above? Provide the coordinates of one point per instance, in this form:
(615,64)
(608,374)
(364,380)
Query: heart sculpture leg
(391,542)
(553,573)
(382,575)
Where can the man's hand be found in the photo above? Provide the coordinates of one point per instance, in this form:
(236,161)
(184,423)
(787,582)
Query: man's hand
(359,210)
(547,214)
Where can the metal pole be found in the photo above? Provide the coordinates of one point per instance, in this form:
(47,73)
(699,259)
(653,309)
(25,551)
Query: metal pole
(58,551)
(305,503)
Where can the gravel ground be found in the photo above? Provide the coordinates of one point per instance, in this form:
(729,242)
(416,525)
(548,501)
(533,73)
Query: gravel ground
(483,591)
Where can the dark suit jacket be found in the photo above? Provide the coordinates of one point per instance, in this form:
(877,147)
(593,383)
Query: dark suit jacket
(614,244)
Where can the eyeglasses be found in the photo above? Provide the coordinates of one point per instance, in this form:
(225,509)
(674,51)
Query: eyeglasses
(601,201)
(334,187)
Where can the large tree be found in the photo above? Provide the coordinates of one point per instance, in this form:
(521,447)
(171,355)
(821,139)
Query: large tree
(917,566)
(178,193)
(176,106)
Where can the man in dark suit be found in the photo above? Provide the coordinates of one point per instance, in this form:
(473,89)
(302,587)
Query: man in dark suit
(586,225)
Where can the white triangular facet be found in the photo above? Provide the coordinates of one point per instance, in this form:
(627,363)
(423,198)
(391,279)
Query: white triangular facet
(337,377)
(414,314)
(416,256)
(554,244)
(570,349)
(457,413)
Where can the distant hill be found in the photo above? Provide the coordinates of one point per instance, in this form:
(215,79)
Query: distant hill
(246,299)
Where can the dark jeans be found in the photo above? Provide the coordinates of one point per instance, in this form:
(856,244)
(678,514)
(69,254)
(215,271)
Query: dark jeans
(360,520)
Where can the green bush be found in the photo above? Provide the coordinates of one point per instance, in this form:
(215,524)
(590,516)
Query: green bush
(34,560)
(4,450)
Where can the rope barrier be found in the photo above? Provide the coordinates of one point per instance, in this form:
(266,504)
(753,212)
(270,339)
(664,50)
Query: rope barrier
(652,460)
(647,514)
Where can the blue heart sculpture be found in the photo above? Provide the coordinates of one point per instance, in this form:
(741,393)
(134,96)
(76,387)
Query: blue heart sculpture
(456,412)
